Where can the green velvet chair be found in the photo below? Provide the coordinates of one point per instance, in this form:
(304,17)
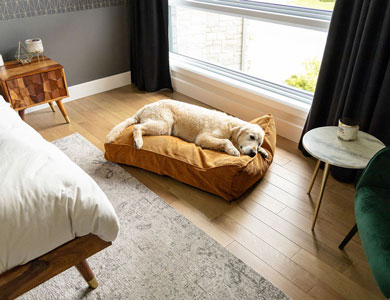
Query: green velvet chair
(372,213)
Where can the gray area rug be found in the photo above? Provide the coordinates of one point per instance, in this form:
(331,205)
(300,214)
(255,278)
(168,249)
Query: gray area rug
(159,254)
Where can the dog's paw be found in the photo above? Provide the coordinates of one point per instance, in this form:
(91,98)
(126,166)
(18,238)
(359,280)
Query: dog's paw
(233,152)
(263,153)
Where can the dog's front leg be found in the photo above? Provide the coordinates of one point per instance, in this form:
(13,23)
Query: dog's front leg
(206,141)
(230,149)
(262,151)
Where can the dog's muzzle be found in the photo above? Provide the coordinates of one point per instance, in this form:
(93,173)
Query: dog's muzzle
(252,153)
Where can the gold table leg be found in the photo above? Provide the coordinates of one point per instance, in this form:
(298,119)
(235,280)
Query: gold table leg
(319,199)
(317,168)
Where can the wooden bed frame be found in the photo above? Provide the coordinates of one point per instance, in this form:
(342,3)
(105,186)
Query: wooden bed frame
(21,279)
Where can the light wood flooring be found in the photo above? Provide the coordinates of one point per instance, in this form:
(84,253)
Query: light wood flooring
(268,228)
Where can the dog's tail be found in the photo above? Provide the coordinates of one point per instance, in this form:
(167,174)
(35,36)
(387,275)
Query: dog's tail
(117,130)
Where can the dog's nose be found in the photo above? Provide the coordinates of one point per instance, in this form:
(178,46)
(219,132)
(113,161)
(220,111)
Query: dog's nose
(252,153)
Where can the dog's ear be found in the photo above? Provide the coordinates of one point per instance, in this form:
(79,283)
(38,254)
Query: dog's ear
(236,131)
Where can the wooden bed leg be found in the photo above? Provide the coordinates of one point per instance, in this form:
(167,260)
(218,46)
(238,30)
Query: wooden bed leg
(87,274)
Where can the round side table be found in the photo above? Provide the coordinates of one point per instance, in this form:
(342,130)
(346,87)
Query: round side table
(323,144)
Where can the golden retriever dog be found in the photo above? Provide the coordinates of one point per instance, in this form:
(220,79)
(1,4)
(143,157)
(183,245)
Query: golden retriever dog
(206,128)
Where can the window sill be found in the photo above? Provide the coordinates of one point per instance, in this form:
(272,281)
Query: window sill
(240,99)
(266,97)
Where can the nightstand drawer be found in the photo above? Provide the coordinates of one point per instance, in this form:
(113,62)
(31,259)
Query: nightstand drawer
(33,89)
(54,85)
(25,91)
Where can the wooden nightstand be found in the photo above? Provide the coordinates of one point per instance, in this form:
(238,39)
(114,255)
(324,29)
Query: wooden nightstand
(33,84)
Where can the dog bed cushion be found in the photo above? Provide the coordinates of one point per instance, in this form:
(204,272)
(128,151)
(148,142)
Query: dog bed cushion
(212,171)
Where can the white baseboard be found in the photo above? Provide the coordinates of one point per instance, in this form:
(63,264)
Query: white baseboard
(91,88)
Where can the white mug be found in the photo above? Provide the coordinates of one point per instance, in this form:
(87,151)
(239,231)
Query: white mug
(347,132)
(1,61)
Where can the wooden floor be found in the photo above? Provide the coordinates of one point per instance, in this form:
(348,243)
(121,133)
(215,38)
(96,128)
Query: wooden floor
(268,228)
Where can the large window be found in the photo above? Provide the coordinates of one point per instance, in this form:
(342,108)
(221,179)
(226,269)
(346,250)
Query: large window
(277,45)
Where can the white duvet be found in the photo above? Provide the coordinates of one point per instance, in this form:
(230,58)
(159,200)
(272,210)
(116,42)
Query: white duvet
(46,200)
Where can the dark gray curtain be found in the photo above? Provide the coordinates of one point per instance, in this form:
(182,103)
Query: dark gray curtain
(354,79)
(149,45)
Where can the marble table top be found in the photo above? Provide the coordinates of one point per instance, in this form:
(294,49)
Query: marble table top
(323,144)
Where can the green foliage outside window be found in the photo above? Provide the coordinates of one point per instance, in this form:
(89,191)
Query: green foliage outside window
(308,80)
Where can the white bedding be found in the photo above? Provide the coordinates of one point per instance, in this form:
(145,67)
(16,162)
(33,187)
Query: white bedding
(46,200)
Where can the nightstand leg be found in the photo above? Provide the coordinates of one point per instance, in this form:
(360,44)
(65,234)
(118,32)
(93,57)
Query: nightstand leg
(52,107)
(21,114)
(314,175)
(63,110)
(319,199)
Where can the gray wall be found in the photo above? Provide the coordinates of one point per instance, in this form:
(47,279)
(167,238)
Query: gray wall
(90,44)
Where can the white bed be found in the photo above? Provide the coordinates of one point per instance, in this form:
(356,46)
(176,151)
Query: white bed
(46,200)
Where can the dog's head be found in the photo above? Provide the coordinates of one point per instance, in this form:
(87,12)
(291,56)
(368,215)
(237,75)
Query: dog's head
(248,139)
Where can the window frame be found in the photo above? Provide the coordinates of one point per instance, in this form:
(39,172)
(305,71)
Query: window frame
(307,18)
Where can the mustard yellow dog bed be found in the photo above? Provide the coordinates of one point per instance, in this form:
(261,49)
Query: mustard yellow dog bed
(212,171)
